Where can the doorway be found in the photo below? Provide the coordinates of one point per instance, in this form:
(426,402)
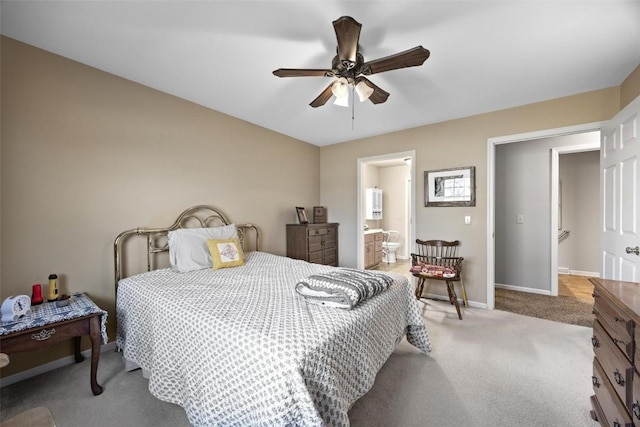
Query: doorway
(549,273)
(398,174)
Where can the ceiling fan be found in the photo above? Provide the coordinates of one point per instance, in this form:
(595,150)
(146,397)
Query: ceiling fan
(348,67)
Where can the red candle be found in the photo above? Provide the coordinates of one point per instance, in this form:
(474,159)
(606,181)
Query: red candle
(36,294)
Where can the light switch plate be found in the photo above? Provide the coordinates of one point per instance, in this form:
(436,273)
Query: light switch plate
(467,219)
(520,219)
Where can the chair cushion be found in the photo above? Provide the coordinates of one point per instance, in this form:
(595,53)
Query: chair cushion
(431,270)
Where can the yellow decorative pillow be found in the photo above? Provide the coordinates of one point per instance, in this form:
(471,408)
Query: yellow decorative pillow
(225,252)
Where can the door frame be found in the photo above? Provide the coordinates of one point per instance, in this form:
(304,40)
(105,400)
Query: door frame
(361,162)
(555,179)
(491,153)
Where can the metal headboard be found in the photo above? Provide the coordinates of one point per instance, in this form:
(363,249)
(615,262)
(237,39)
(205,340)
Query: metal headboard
(200,216)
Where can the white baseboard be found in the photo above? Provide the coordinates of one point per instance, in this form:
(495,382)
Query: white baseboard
(68,360)
(473,304)
(570,272)
(523,289)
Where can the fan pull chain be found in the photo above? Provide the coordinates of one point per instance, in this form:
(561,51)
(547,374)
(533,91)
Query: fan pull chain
(353,105)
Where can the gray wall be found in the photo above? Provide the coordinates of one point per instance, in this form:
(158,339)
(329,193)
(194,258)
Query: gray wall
(579,174)
(523,187)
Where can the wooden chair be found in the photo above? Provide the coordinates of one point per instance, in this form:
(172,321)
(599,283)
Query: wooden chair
(439,260)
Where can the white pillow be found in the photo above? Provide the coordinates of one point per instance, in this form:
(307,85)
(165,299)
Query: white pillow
(188,250)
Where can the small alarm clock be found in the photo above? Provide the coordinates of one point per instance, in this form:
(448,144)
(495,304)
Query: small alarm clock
(15,307)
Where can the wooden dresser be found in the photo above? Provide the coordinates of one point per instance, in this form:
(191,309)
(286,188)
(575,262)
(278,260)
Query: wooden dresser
(317,243)
(616,330)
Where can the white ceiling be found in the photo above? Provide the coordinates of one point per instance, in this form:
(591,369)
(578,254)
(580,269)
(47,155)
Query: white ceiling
(485,55)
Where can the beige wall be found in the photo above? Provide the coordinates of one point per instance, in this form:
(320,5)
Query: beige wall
(370,179)
(579,175)
(393,180)
(630,88)
(86,155)
(454,143)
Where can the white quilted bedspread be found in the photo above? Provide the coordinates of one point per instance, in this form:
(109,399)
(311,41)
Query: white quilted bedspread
(239,347)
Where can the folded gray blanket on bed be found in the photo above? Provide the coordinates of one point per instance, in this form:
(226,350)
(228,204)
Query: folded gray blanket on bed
(342,288)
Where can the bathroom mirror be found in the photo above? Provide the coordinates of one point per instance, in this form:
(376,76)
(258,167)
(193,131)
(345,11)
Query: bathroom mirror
(450,187)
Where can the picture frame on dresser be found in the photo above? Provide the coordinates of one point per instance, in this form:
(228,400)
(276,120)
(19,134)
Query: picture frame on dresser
(302,215)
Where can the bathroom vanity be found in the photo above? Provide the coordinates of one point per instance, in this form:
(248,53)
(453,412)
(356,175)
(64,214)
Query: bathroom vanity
(372,248)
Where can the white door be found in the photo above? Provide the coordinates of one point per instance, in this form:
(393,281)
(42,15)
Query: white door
(620,195)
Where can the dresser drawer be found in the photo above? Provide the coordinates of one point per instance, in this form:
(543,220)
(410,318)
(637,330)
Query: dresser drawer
(315,243)
(635,400)
(636,354)
(329,241)
(614,410)
(330,257)
(617,324)
(615,365)
(321,231)
(377,237)
(37,338)
(315,257)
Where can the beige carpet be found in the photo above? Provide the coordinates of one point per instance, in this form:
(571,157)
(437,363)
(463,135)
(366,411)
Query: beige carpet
(493,368)
(36,417)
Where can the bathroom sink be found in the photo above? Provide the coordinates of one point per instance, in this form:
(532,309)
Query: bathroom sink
(373,230)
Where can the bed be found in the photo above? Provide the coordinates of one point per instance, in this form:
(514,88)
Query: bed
(238,346)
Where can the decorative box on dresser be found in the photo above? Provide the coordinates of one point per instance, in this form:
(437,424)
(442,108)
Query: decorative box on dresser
(317,243)
(616,365)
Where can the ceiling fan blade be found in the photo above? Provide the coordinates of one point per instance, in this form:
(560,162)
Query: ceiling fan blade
(323,97)
(378,96)
(347,33)
(302,72)
(409,58)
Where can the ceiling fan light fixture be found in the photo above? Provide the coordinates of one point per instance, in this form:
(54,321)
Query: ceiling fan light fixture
(364,90)
(342,101)
(348,67)
(340,88)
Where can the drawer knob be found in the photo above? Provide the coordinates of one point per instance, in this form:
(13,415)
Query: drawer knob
(636,409)
(595,382)
(618,377)
(43,335)
(617,341)
(616,424)
(595,342)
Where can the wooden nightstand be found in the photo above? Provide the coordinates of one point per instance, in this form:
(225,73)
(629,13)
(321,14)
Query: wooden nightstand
(48,324)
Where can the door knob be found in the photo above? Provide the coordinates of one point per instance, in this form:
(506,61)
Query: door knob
(631,250)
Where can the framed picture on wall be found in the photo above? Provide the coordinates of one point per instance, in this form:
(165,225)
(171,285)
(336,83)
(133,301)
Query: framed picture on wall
(450,187)
(302,215)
